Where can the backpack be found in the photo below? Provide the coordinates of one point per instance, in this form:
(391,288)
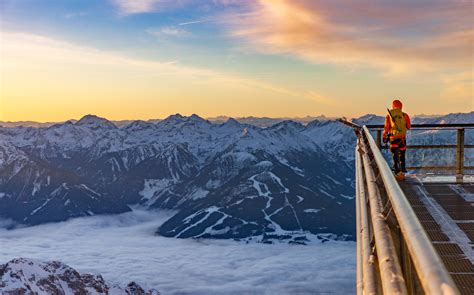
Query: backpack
(397,120)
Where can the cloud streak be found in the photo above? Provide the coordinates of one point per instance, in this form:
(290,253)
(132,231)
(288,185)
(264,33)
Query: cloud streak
(167,31)
(127,7)
(193,22)
(361,34)
(18,46)
(130,7)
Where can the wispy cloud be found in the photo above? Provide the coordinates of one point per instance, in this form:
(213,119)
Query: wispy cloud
(405,38)
(17,45)
(322,100)
(129,7)
(459,87)
(193,22)
(167,31)
(400,38)
(135,6)
(75,14)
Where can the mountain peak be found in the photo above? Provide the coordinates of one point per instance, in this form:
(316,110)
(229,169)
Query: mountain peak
(139,125)
(232,122)
(369,119)
(172,119)
(54,277)
(195,117)
(313,124)
(198,119)
(178,118)
(287,125)
(95,122)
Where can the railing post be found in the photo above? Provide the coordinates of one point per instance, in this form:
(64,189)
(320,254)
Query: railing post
(379,138)
(460,155)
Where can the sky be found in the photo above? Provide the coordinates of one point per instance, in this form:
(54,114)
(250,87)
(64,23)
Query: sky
(147,59)
(183,266)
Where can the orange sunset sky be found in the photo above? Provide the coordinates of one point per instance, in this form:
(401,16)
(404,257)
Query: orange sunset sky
(144,59)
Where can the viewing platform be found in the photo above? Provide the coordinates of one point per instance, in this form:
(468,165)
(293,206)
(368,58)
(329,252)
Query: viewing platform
(415,236)
(446,211)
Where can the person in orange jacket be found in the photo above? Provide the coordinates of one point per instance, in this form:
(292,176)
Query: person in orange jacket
(396,125)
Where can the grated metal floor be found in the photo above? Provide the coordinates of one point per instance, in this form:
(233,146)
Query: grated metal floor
(446,211)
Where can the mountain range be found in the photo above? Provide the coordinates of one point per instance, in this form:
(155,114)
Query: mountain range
(288,181)
(257,121)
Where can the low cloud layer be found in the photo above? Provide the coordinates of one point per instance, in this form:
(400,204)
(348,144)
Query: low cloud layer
(124,248)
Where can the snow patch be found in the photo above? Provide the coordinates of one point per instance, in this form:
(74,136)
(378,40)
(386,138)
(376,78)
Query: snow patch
(199,194)
(153,186)
(312,210)
(347,197)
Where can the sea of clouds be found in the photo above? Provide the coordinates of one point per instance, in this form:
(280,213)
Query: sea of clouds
(124,248)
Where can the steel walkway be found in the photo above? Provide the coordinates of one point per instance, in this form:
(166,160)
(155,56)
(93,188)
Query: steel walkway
(416,236)
(446,212)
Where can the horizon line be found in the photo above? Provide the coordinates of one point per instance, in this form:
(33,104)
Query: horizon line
(227,117)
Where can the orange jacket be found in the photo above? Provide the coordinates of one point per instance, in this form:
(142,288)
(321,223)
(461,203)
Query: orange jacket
(388,124)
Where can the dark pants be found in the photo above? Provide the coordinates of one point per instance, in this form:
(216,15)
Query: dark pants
(398,148)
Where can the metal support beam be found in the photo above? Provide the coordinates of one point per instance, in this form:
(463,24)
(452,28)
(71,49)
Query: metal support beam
(358,229)
(389,265)
(379,138)
(460,155)
(432,168)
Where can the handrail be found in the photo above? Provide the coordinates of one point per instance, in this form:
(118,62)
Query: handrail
(359,279)
(427,126)
(349,123)
(431,271)
(413,126)
(460,145)
(389,265)
(365,259)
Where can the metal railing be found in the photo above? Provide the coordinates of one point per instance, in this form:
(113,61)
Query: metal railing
(394,253)
(459,166)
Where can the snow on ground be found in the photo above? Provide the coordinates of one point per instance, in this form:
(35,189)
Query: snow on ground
(124,248)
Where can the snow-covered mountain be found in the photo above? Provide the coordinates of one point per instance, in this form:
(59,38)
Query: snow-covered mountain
(227,180)
(256,121)
(29,276)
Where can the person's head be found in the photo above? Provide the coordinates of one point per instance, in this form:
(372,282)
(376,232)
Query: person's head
(396,104)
